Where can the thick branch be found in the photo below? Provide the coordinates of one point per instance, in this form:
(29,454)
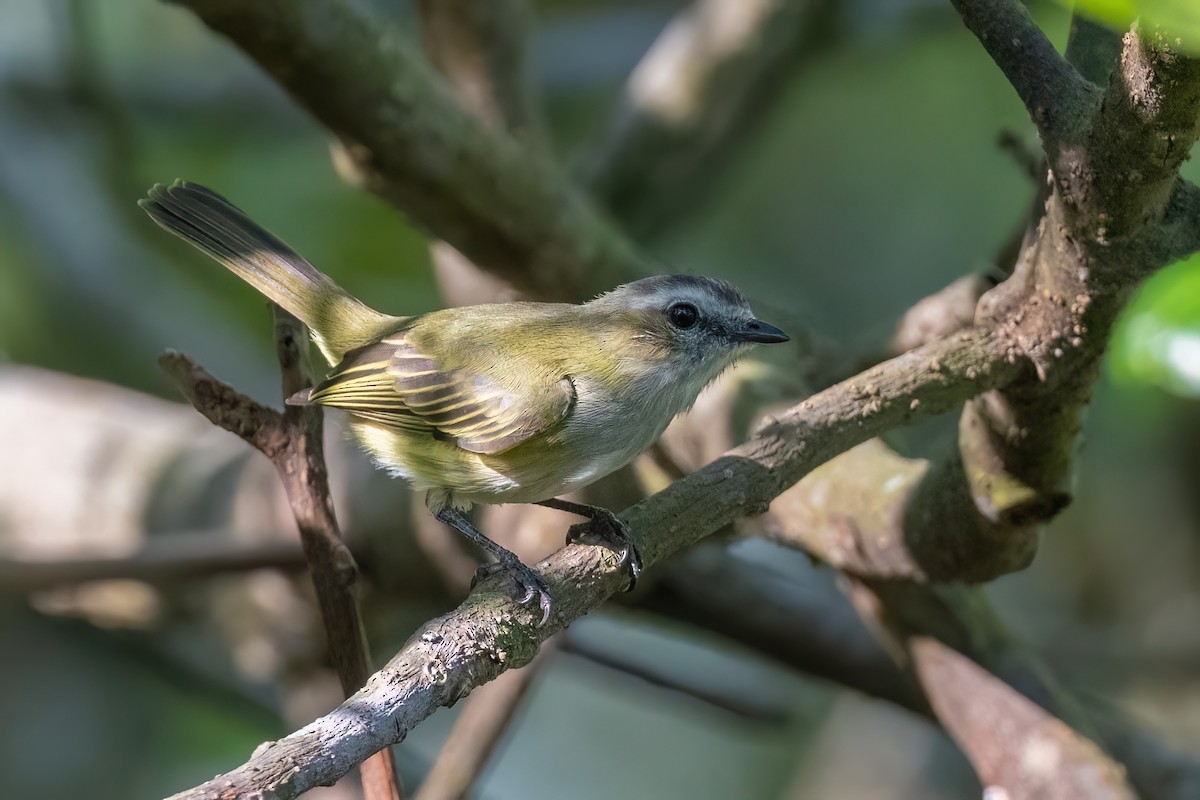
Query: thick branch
(501,204)
(760,600)
(1093,49)
(825,639)
(1057,97)
(1013,743)
(975,674)
(1113,185)
(1179,233)
(489,633)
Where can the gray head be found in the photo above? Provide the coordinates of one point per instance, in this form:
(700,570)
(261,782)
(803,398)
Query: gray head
(697,318)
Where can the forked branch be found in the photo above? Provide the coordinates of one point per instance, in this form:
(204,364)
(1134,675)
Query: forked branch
(292,440)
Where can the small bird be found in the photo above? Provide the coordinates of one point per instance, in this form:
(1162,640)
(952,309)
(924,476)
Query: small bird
(500,403)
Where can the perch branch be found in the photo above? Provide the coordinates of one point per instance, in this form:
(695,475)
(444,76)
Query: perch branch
(292,440)
(489,633)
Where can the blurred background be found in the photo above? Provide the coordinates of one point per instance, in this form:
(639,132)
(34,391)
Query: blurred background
(874,179)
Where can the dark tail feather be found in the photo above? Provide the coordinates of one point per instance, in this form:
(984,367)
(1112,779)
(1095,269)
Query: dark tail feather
(211,223)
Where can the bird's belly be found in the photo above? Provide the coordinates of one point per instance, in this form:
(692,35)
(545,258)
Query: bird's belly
(586,449)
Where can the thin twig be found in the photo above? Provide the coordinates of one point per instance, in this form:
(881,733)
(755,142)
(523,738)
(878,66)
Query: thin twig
(292,440)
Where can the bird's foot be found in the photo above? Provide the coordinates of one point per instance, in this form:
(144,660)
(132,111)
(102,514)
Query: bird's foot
(613,534)
(529,583)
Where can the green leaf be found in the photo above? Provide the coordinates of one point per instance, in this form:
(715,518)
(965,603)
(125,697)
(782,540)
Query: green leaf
(1178,19)
(1157,341)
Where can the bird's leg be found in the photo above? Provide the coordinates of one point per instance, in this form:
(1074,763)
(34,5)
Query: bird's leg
(608,528)
(528,580)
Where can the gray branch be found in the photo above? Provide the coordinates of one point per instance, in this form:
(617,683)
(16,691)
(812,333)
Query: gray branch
(1057,98)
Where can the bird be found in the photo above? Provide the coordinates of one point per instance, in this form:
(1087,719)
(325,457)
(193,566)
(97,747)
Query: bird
(498,403)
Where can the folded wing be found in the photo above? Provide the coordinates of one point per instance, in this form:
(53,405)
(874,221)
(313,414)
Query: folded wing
(394,383)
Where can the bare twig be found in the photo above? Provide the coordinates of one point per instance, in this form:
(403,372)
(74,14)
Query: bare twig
(293,442)
(479,728)
(739,700)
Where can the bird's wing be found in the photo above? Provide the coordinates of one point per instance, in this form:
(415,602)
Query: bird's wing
(394,383)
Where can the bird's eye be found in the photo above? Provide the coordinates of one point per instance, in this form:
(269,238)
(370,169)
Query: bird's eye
(683,315)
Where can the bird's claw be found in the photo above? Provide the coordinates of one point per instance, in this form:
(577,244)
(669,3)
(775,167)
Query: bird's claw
(614,535)
(534,588)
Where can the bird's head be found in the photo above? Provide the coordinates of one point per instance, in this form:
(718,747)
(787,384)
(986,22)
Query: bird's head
(692,323)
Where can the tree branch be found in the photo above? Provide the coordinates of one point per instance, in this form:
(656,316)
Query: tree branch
(480,50)
(826,639)
(489,633)
(1013,743)
(1057,98)
(501,204)
(293,442)
(1099,237)
(1093,49)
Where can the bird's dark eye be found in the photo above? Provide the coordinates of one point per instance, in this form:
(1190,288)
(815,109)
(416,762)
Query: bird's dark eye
(683,315)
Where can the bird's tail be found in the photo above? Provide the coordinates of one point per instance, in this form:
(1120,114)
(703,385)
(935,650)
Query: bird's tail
(339,322)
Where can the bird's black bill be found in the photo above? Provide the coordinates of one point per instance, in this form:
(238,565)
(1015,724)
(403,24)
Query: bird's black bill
(761,332)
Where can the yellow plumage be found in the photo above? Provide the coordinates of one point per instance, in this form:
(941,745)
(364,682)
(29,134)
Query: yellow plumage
(518,402)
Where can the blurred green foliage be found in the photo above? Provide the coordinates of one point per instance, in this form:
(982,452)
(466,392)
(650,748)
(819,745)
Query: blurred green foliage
(1157,342)
(1178,18)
